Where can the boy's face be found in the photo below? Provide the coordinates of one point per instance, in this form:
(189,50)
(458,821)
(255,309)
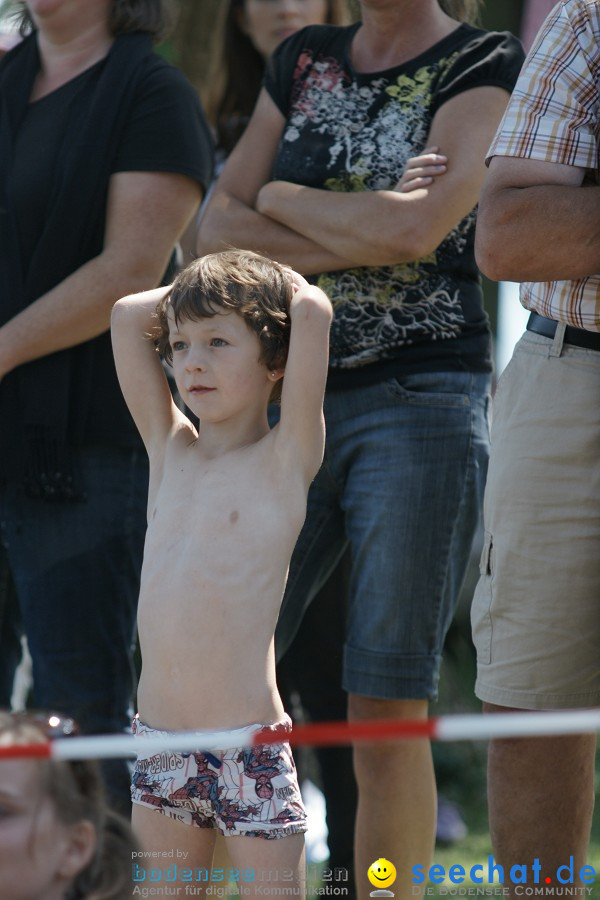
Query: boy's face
(217,368)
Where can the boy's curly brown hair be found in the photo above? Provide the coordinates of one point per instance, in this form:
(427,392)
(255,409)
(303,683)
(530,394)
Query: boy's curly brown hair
(241,281)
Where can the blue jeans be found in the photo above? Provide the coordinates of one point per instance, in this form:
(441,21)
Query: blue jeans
(75,569)
(402,483)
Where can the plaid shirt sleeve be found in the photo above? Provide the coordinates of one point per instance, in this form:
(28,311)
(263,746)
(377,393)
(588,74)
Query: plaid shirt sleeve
(554,111)
(554,116)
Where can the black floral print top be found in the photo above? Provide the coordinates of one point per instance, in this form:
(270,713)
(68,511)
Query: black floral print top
(351,131)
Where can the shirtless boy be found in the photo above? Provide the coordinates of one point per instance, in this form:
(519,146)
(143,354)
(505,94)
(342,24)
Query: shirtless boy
(226,504)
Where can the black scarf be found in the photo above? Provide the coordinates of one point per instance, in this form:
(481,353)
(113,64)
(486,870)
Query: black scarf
(39,419)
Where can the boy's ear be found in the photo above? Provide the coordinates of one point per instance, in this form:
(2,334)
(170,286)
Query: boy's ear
(277,369)
(276,374)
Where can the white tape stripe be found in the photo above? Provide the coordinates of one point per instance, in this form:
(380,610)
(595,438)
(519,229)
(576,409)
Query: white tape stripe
(521,724)
(445,728)
(116,745)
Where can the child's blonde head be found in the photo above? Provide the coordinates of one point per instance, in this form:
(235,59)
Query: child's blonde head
(256,288)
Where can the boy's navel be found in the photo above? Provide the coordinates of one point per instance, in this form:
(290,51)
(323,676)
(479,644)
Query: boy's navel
(234,516)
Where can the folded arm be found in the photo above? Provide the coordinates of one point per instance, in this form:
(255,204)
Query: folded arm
(231,219)
(387,227)
(146,213)
(537,221)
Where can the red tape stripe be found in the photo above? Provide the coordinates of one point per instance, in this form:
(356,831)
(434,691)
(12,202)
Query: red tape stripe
(333,733)
(18,751)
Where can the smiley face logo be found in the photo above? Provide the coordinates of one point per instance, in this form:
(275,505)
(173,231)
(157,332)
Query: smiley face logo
(381,873)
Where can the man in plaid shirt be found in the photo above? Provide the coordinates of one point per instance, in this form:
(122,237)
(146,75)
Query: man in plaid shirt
(536,616)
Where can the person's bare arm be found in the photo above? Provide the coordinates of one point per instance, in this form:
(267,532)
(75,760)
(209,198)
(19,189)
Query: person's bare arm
(141,375)
(231,220)
(146,212)
(537,222)
(301,429)
(387,227)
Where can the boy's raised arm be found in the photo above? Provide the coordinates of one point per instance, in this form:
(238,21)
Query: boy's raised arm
(302,424)
(141,376)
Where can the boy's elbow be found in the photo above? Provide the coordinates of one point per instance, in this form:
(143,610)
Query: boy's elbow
(118,308)
(124,309)
(317,304)
(126,301)
(325,306)
(118,318)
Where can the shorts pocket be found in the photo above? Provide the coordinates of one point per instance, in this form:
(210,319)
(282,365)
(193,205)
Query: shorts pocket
(485,560)
(481,608)
(436,389)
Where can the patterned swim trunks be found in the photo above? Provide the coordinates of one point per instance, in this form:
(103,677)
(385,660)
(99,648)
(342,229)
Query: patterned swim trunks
(250,791)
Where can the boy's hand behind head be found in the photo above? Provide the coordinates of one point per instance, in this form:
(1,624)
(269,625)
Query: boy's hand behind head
(302,290)
(298,281)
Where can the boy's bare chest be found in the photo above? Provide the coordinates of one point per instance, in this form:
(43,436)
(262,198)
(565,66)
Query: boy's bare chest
(218,507)
(213,500)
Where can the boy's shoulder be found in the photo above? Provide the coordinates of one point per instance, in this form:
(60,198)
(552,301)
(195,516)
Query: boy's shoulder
(172,450)
(184,444)
(181,434)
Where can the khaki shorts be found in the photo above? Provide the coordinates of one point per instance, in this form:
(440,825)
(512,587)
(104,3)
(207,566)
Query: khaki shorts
(536,611)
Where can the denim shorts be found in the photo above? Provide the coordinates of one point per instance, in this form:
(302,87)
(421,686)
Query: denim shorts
(402,483)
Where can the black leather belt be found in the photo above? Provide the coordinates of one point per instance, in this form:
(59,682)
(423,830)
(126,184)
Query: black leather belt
(578,337)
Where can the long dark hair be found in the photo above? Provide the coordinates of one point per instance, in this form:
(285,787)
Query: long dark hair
(153,16)
(237,73)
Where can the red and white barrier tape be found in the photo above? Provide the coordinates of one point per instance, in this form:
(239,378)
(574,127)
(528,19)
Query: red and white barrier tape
(442,728)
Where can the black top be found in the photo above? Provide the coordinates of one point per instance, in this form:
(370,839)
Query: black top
(132,111)
(164,133)
(355,131)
